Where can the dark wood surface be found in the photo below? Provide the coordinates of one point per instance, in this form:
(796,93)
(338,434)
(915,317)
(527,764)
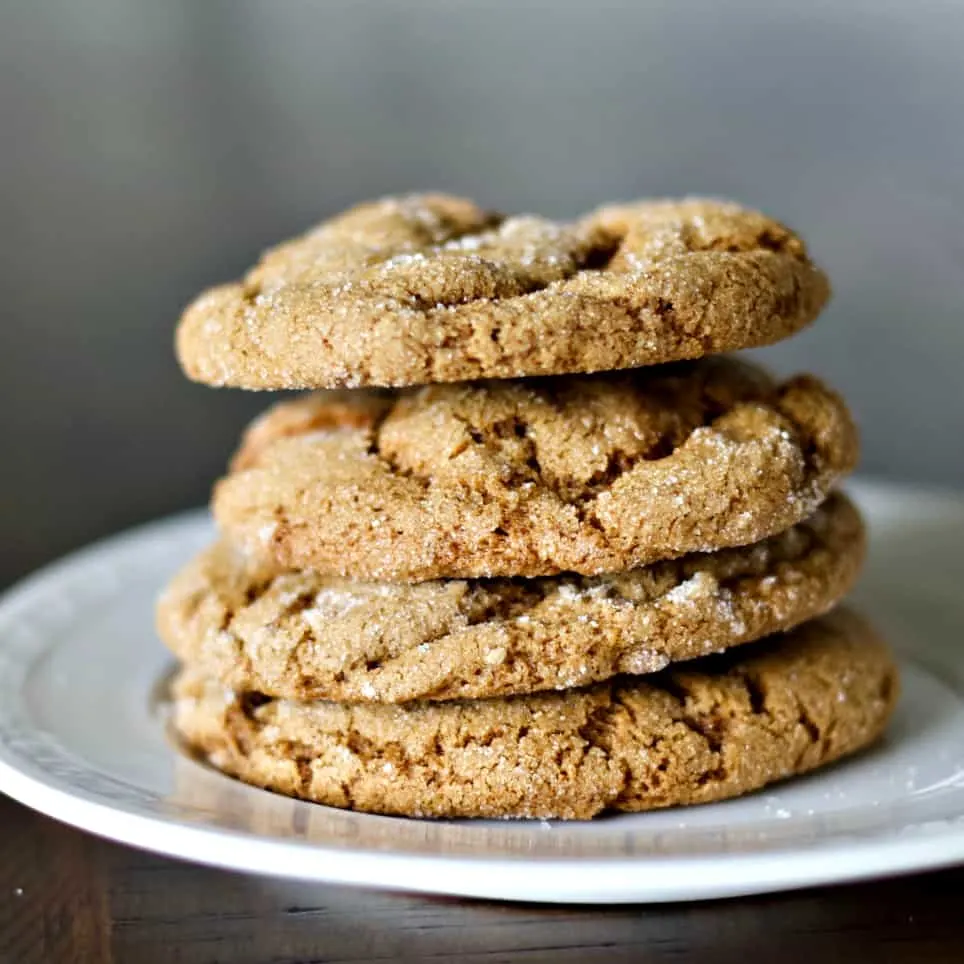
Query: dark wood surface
(66,896)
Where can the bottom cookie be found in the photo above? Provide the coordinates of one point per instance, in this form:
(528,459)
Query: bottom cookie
(707,730)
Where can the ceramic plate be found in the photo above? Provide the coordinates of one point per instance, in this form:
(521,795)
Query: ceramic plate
(82,738)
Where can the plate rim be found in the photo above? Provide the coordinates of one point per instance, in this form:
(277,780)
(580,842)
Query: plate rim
(913,851)
(618,878)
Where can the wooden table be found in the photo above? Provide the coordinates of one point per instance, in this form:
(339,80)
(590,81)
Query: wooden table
(68,897)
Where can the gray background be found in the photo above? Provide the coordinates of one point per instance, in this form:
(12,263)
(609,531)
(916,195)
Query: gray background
(148,149)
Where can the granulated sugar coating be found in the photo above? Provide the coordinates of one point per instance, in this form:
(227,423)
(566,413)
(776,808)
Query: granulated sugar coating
(716,728)
(430,288)
(535,546)
(589,474)
(301,635)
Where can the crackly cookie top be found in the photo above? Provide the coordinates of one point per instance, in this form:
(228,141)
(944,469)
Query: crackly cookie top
(431,288)
(700,731)
(301,635)
(589,474)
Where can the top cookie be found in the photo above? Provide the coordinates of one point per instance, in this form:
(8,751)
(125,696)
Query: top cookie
(430,288)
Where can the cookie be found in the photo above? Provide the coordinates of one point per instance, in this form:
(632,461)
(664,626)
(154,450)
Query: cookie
(304,636)
(588,474)
(430,288)
(715,728)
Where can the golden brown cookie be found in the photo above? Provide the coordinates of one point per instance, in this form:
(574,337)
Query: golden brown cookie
(588,474)
(430,288)
(303,636)
(715,728)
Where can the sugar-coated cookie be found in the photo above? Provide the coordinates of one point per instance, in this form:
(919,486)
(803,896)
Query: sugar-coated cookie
(715,728)
(431,288)
(304,636)
(588,474)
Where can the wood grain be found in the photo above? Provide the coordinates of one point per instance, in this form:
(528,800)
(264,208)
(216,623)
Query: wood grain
(53,891)
(67,897)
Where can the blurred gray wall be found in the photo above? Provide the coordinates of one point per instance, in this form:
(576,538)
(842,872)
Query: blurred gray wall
(148,149)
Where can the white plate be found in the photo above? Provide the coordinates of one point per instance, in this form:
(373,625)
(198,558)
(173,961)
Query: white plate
(82,739)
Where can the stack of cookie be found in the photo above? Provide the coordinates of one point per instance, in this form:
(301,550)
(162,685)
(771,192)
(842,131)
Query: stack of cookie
(538,549)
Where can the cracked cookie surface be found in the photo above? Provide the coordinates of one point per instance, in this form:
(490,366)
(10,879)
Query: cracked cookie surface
(304,636)
(588,474)
(715,728)
(431,288)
